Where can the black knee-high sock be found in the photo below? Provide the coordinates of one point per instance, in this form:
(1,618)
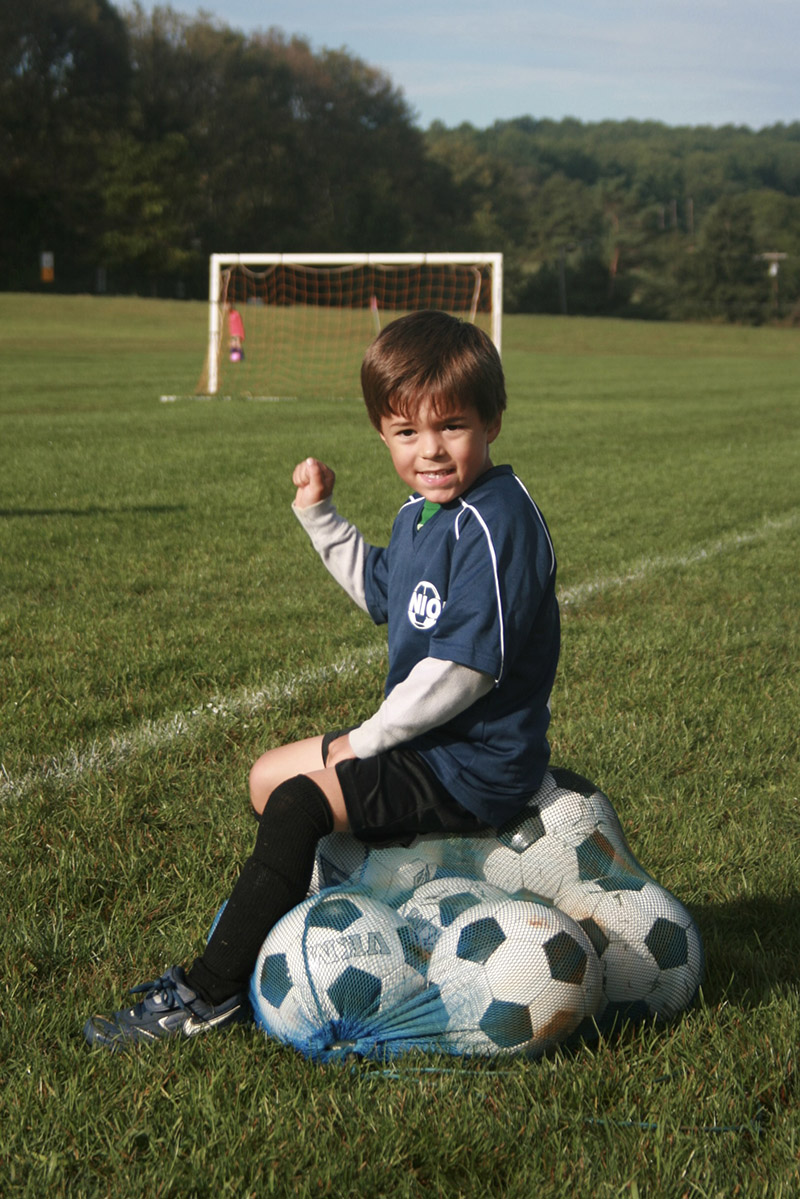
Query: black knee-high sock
(273,880)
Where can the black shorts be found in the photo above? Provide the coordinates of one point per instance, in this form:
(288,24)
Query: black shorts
(395,795)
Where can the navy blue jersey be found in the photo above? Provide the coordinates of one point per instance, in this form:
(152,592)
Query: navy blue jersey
(476,585)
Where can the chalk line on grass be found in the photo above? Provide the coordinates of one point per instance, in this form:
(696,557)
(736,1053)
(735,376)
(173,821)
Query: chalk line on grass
(571,596)
(156,734)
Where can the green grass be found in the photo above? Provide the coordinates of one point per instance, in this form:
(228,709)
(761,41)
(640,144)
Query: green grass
(163,621)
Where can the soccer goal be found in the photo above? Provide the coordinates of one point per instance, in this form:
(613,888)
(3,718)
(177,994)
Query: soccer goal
(298,324)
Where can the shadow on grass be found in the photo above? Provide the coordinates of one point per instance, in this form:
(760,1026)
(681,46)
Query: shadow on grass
(752,948)
(95,510)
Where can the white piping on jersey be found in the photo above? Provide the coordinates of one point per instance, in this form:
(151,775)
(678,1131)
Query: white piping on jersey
(541,521)
(465,507)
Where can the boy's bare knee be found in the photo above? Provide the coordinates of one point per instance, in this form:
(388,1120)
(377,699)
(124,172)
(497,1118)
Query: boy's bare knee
(261,787)
(277,765)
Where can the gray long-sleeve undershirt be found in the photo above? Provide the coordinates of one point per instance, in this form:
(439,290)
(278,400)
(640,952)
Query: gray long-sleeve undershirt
(434,691)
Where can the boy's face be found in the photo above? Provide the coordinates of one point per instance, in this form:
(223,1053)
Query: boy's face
(439,453)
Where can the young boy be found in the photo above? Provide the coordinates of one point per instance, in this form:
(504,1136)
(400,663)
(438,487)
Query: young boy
(467,588)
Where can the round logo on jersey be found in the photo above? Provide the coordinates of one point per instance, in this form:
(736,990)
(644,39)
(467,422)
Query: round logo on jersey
(425,605)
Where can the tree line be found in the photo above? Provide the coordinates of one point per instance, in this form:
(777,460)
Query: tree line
(134,144)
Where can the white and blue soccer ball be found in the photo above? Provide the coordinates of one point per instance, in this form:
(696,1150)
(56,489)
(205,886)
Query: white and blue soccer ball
(568,833)
(435,905)
(571,802)
(339,859)
(333,964)
(649,947)
(513,977)
(393,872)
(524,861)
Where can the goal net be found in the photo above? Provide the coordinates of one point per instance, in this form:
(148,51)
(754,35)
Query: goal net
(298,324)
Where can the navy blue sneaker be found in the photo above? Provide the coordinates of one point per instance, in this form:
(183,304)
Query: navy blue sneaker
(170,1008)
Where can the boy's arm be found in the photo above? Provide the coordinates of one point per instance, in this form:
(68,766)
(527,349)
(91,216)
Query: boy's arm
(338,543)
(340,546)
(432,693)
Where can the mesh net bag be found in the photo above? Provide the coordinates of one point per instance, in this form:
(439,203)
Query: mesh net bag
(511,941)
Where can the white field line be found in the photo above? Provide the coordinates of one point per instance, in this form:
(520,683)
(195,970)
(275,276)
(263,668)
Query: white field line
(156,734)
(571,596)
(105,756)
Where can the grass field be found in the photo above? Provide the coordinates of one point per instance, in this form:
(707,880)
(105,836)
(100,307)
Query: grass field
(163,621)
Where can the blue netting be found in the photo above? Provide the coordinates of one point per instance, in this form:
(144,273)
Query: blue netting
(506,942)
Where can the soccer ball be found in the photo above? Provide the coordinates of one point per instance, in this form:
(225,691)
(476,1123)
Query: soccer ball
(513,977)
(392,873)
(525,862)
(649,947)
(568,833)
(573,802)
(434,906)
(338,860)
(332,964)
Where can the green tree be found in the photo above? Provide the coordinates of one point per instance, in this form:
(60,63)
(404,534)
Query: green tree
(147,210)
(357,162)
(724,278)
(492,201)
(64,83)
(776,225)
(293,150)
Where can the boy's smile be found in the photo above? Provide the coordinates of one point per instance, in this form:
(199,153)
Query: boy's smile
(439,452)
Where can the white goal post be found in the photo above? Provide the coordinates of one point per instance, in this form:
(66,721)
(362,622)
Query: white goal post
(295,324)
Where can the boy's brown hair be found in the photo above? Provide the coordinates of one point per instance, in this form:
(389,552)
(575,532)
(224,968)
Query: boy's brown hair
(430,355)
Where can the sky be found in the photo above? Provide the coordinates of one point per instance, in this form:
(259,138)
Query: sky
(682,62)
